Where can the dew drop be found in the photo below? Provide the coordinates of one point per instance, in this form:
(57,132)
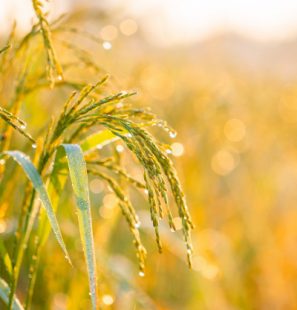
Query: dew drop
(129,135)
(172,134)
(119,148)
(189,251)
(34,146)
(123,93)
(99,147)
(141,273)
(60,77)
(168,151)
(23,126)
(137,224)
(2,161)
(146,191)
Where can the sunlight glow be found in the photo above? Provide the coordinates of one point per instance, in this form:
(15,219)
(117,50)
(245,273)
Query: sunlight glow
(174,21)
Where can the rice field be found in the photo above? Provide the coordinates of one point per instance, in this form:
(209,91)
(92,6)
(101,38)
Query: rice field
(135,177)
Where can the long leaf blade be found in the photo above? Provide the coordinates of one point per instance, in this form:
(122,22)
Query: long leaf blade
(98,139)
(4,295)
(36,180)
(79,180)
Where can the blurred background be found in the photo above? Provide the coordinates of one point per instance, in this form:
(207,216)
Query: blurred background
(224,75)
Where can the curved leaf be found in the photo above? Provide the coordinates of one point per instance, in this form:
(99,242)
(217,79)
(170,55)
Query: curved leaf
(4,295)
(98,139)
(79,180)
(36,180)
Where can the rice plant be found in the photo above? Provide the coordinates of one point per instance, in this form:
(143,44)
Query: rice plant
(71,143)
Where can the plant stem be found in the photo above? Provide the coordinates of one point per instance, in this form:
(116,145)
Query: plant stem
(33,271)
(22,245)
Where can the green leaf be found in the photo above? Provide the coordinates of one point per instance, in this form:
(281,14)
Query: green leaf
(79,180)
(98,139)
(55,187)
(4,295)
(36,180)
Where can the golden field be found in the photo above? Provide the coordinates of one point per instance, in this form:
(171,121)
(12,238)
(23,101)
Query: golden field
(233,103)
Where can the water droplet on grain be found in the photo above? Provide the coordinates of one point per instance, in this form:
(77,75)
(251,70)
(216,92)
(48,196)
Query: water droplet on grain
(137,224)
(2,161)
(123,93)
(172,134)
(34,146)
(141,273)
(23,126)
(119,148)
(146,191)
(60,77)
(168,151)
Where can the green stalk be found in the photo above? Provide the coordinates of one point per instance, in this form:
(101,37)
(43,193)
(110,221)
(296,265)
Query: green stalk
(33,272)
(22,245)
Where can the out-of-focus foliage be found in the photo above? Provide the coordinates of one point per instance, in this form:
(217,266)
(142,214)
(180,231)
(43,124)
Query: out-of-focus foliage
(236,119)
(237,158)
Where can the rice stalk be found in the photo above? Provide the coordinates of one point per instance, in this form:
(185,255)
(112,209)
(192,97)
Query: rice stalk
(54,69)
